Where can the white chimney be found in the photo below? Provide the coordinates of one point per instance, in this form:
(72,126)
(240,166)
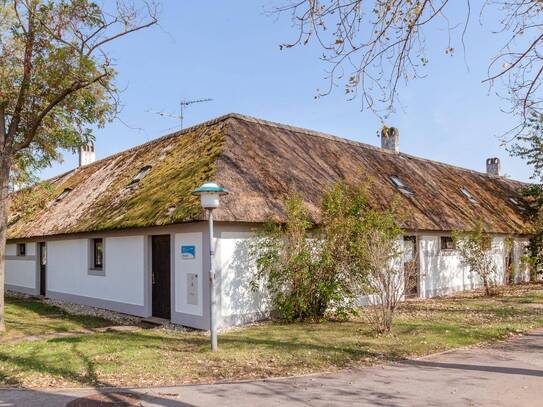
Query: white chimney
(390,139)
(87,155)
(493,167)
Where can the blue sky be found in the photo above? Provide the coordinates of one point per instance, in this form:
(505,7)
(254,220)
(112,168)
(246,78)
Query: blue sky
(229,51)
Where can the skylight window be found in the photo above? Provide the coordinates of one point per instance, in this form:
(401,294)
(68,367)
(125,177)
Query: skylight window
(63,194)
(517,203)
(467,194)
(400,185)
(141,174)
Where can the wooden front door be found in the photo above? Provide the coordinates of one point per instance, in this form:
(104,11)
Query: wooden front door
(161,260)
(42,253)
(410,266)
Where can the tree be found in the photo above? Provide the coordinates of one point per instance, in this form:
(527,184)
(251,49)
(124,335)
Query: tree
(56,82)
(475,249)
(381,252)
(371,46)
(533,256)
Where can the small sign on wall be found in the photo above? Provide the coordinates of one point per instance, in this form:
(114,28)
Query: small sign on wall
(188,252)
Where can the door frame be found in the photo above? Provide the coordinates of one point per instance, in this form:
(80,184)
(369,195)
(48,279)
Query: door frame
(42,269)
(169,262)
(416,293)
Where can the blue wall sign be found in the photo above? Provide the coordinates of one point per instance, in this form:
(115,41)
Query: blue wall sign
(188,252)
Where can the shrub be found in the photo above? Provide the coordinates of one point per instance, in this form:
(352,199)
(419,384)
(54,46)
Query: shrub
(310,271)
(381,254)
(285,259)
(475,248)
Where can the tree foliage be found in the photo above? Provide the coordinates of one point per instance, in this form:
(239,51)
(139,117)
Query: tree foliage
(529,146)
(475,249)
(310,270)
(56,83)
(56,79)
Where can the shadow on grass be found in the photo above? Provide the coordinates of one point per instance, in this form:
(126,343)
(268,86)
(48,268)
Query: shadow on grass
(83,369)
(329,343)
(26,316)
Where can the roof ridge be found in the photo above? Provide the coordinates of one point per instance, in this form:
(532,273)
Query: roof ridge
(296,129)
(359,144)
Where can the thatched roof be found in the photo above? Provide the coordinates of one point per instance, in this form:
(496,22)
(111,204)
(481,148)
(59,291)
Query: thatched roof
(260,163)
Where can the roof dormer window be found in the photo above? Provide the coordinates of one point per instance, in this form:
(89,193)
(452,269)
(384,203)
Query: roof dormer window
(517,203)
(400,185)
(467,194)
(63,194)
(141,174)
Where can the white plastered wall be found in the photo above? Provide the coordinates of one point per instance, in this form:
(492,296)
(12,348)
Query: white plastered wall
(443,272)
(240,303)
(123,279)
(21,271)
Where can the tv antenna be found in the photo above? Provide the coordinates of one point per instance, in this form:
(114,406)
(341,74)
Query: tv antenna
(183,104)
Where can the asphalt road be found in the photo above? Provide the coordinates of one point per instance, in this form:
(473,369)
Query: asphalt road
(507,374)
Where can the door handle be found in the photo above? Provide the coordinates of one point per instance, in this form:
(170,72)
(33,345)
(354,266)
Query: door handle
(153,278)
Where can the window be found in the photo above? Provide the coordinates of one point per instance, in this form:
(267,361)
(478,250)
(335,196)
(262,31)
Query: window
(142,173)
(400,185)
(447,243)
(21,249)
(467,194)
(517,203)
(97,254)
(63,194)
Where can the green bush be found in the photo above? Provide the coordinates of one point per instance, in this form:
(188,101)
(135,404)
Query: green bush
(312,270)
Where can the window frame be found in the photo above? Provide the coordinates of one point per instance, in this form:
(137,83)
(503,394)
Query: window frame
(142,173)
(96,269)
(443,239)
(18,248)
(400,186)
(63,194)
(468,195)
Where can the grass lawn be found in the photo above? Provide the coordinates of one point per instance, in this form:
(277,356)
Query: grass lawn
(150,357)
(26,317)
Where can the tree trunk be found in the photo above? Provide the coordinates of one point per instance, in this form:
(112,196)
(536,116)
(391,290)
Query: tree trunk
(4,183)
(486,285)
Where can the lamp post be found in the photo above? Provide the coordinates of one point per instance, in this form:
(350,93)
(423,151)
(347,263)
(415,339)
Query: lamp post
(210,194)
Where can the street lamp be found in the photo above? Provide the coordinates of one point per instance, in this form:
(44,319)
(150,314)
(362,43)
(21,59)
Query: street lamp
(210,194)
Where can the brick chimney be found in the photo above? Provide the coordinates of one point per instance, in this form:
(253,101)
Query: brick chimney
(493,167)
(390,139)
(87,155)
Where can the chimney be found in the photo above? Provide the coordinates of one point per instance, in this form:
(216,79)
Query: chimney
(493,167)
(390,139)
(87,155)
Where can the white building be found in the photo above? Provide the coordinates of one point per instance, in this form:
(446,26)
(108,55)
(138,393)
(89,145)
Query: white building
(125,233)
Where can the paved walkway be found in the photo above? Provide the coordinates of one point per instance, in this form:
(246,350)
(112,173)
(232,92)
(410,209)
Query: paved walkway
(508,374)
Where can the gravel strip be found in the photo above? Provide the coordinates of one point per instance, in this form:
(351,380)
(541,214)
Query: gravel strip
(78,309)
